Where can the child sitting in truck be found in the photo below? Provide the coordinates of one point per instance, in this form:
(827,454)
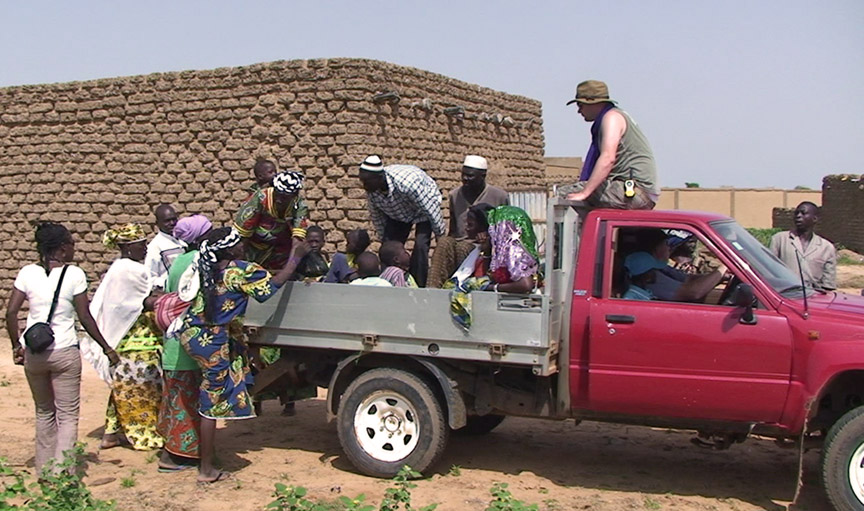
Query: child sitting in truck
(343,266)
(368,271)
(314,265)
(396,260)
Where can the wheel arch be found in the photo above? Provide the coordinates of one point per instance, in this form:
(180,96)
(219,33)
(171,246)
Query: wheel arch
(354,365)
(843,392)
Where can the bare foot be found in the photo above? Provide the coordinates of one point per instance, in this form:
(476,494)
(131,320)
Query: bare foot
(109,441)
(168,463)
(219,475)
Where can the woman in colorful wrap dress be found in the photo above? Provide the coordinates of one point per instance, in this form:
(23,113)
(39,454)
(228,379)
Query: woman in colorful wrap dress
(272,219)
(506,261)
(179,422)
(118,308)
(211,332)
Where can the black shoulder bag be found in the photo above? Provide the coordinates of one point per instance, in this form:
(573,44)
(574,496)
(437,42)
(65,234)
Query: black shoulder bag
(40,336)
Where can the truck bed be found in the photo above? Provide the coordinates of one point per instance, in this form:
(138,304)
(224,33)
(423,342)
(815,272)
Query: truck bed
(507,329)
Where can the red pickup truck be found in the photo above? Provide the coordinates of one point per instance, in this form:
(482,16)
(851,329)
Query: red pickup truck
(759,354)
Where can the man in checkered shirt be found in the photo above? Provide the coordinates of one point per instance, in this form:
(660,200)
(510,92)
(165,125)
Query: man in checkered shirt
(401,197)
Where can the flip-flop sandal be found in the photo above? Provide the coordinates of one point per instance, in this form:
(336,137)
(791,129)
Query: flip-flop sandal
(221,477)
(178,468)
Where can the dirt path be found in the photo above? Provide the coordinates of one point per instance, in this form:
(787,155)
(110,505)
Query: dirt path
(557,465)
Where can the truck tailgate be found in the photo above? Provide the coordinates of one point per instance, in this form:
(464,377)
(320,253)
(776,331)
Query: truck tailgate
(509,329)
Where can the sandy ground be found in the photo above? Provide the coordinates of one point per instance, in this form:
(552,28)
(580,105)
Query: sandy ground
(558,465)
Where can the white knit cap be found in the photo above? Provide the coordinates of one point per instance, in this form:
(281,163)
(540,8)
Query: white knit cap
(476,162)
(372,163)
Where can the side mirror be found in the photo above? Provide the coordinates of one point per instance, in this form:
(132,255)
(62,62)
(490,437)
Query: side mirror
(743,297)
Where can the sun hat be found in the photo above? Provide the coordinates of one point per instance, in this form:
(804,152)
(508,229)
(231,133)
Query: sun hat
(475,162)
(590,92)
(638,263)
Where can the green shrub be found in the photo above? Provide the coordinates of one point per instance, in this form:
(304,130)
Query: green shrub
(503,500)
(59,489)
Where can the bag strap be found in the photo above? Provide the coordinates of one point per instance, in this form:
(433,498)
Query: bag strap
(56,294)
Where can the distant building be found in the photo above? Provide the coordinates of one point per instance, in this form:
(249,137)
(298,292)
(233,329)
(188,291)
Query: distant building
(751,207)
(562,170)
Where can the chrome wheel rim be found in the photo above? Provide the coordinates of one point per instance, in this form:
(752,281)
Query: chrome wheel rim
(856,473)
(386,427)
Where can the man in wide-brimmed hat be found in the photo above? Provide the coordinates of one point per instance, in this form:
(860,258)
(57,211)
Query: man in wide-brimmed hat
(619,170)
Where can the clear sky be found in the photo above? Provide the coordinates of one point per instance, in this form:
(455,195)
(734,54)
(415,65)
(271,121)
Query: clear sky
(749,93)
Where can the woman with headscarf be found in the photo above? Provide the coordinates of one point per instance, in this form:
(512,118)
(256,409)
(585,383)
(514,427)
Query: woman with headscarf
(211,332)
(507,262)
(461,259)
(451,253)
(179,423)
(54,375)
(118,307)
(271,219)
(515,264)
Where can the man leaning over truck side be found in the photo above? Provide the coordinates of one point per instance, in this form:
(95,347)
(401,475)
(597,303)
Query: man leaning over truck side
(402,197)
(818,255)
(619,170)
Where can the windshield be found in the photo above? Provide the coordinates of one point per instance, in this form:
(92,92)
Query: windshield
(761,260)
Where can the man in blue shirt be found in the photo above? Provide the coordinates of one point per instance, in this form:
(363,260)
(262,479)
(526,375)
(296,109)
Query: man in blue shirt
(642,270)
(674,285)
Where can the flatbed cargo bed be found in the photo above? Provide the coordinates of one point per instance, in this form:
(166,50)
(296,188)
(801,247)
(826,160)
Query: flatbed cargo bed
(507,328)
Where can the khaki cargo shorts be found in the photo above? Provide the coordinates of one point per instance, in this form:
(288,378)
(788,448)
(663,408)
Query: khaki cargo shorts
(610,195)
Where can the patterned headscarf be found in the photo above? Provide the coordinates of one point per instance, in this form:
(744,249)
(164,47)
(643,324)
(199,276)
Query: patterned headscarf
(129,233)
(288,182)
(514,245)
(208,258)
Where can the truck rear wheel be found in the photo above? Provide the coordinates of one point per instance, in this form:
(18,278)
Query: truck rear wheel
(388,418)
(843,462)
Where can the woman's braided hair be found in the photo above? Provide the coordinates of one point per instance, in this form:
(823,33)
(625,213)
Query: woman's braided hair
(50,236)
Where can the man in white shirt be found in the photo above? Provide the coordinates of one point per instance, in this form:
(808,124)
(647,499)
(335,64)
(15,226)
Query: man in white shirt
(164,247)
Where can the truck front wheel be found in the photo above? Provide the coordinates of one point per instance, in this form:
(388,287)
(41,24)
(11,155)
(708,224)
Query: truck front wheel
(388,418)
(843,462)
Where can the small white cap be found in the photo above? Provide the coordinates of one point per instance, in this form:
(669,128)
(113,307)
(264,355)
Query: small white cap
(372,163)
(476,162)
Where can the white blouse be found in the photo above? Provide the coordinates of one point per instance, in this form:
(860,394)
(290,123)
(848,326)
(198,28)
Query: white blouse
(39,289)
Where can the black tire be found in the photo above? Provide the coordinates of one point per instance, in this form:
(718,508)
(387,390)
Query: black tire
(844,446)
(479,425)
(388,418)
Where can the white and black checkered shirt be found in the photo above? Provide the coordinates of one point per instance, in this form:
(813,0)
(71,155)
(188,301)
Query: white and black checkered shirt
(411,197)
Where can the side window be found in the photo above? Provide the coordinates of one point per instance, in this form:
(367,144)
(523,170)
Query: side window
(666,264)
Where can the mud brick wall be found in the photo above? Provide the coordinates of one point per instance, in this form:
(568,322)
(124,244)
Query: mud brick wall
(783,218)
(103,152)
(842,204)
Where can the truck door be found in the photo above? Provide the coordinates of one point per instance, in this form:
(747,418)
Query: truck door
(676,359)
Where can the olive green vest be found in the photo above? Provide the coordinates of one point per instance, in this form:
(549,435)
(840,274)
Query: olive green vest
(634,159)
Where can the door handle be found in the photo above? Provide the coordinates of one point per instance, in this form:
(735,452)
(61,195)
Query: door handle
(620,318)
